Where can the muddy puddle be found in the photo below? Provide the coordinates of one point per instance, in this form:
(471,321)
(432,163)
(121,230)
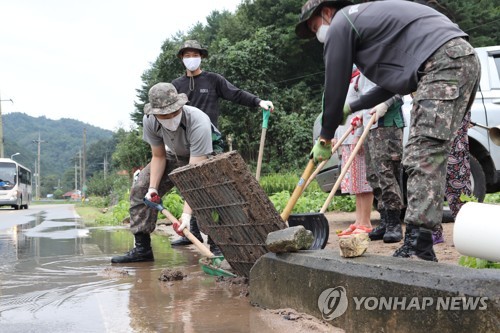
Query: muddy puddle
(56,276)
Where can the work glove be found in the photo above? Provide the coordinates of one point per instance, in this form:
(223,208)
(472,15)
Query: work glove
(155,198)
(379,110)
(151,192)
(347,112)
(356,122)
(185,224)
(321,151)
(266,105)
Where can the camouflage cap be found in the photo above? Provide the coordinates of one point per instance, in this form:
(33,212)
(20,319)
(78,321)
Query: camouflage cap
(192,44)
(164,99)
(309,9)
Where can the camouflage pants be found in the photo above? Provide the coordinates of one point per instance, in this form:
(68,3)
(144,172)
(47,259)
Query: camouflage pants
(143,218)
(383,161)
(444,95)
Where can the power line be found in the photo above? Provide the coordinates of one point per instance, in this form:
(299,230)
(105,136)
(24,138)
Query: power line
(300,77)
(495,20)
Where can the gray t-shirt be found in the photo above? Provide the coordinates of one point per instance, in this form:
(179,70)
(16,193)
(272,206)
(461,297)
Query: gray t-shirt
(193,137)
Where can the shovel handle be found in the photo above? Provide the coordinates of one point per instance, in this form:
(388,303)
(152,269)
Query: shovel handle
(345,168)
(265,121)
(298,190)
(322,164)
(265,117)
(203,250)
(479,125)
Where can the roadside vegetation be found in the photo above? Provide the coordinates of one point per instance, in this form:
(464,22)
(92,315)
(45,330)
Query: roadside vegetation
(112,209)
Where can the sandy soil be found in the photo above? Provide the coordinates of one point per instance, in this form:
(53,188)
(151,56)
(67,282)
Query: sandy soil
(445,252)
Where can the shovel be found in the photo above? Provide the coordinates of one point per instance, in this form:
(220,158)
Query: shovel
(316,223)
(493,132)
(265,120)
(210,266)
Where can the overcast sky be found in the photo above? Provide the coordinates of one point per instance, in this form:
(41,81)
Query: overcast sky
(84,59)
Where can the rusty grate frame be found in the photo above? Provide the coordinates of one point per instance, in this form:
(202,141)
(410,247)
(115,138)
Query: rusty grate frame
(230,206)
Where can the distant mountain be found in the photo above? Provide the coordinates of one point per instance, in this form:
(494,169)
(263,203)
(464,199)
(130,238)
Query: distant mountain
(61,140)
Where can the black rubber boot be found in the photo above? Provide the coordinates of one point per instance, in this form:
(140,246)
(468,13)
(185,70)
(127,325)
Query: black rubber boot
(417,243)
(378,232)
(393,231)
(141,252)
(193,226)
(214,248)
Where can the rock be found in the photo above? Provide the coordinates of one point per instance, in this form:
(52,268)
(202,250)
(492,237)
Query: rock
(114,272)
(353,245)
(171,275)
(290,239)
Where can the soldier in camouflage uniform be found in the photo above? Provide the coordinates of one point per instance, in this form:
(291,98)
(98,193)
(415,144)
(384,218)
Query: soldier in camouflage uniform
(188,134)
(402,47)
(383,158)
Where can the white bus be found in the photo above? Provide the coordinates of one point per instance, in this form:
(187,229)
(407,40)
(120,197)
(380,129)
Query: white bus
(15,184)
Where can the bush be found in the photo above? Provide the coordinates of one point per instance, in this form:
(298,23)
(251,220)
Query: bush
(276,183)
(492,198)
(112,186)
(472,262)
(174,203)
(98,202)
(58,194)
(313,202)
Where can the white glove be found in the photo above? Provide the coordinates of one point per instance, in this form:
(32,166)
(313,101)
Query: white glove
(266,105)
(151,190)
(185,221)
(380,110)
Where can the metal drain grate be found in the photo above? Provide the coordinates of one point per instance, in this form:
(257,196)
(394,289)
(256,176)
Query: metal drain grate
(230,206)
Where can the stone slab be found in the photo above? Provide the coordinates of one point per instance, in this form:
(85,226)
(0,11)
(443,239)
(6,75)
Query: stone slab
(290,239)
(297,280)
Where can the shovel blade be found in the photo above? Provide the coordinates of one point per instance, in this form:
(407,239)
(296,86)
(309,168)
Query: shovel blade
(314,222)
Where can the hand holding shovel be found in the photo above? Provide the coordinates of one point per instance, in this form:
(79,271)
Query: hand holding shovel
(213,265)
(158,205)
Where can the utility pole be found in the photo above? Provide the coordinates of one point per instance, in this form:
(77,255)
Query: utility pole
(105,165)
(76,178)
(80,167)
(36,178)
(84,186)
(1,125)
(39,141)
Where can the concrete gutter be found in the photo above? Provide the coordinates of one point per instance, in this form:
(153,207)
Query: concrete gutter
(379,294)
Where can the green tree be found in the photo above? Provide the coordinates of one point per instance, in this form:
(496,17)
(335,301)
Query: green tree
(256,49)
(131,151)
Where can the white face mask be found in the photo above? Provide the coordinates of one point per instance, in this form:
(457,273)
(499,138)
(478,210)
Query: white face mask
(192,64)
(171,124)
(322,30)
(321,33)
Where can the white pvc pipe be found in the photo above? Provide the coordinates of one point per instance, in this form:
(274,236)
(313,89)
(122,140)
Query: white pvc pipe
(476,232)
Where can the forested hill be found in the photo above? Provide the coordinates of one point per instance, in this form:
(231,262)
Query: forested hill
(61,140)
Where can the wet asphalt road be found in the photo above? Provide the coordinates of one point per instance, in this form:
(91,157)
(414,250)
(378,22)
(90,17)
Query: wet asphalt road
(56,276)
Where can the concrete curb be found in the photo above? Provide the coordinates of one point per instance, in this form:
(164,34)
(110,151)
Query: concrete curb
(297,280)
